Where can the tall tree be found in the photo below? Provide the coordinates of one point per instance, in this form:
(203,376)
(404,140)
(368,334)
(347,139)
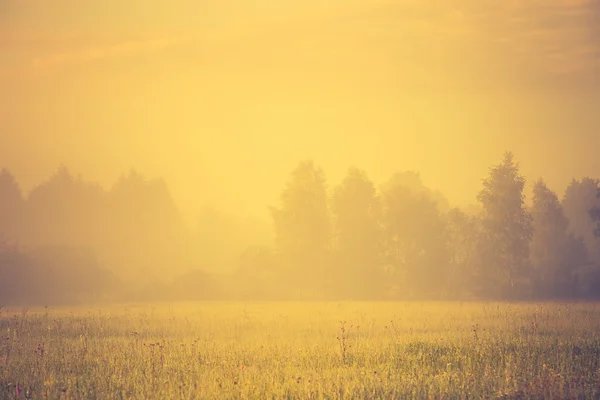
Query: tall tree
(64,210)
(579,199)
(550,238)
(302,224)
(144,216)
(11,206)
(507,228)
(415,245)
(356,211)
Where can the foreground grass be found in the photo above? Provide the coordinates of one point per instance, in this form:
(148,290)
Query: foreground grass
(302,350)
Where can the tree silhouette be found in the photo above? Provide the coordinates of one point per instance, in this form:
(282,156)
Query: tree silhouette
(302,225)
(64,210)
(403,241)
(11,206)
(595,215)
(143,216)
(356,210)
(550,238)
(507,228)
(579,199)
(414,235)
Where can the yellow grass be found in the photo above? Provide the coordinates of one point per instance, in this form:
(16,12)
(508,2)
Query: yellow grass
(302,350)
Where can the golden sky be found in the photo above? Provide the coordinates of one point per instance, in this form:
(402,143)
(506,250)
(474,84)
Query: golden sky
(224,98)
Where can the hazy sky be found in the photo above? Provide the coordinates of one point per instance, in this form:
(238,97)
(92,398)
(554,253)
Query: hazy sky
(224,98)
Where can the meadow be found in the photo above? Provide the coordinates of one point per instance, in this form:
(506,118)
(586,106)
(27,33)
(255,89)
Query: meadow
(302,350)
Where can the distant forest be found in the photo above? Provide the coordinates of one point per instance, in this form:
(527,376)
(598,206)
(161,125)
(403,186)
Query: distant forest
(70,241)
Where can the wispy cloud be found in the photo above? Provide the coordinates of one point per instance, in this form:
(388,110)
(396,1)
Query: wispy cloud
(529,36)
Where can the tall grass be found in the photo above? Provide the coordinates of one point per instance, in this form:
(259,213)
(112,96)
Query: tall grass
(302,350)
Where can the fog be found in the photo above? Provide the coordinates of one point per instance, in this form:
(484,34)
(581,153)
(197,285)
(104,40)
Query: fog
(160,137)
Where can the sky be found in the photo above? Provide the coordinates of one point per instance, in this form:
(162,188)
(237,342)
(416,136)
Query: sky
(224,98)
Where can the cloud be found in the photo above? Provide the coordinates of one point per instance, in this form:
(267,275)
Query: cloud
(527,36)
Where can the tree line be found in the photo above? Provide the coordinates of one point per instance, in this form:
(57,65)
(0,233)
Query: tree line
(70,240)
(403,241)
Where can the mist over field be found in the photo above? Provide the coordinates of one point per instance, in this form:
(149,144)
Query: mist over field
(318,150)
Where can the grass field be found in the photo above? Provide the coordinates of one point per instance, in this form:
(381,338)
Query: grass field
(302,350)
